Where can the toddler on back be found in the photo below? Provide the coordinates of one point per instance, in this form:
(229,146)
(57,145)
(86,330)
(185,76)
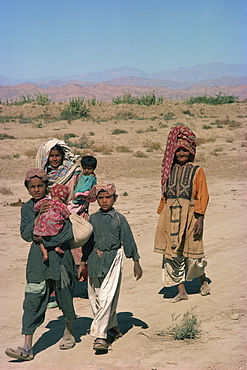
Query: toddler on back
(85,183)
(51,222)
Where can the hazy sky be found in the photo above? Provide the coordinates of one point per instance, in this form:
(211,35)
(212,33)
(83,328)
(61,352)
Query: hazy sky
(40,38)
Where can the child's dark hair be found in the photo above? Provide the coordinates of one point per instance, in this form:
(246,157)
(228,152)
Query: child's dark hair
(89,161)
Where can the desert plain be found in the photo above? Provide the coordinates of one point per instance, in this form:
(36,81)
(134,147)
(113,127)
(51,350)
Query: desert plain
(128,141)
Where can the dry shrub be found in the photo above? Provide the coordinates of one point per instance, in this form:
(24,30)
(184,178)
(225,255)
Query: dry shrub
(152,145)
(123,149)
(104,149)
(202,140)
(31,153)
(140,154)
(227,122)
(5,190)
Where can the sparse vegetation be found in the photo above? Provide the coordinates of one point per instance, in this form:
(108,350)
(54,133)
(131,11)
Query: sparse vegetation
(140,154)
(104,149)
(41,99)
(31,153)
(123,149)
(148,100)
(169,116)
(187,328)
(188,112)
(6,136)
(202,140)
(25,120)
(75,110)
(125,115)
(5,190)
(151,146)
(83,143)
(211,100)
(68,136)
(206,127)
(118,131)
(219,123)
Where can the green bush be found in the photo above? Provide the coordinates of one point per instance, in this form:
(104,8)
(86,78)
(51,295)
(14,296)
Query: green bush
(75,110)
(217,100)
(5,136)
(169,116)
(187,328)
(68,136)
(83,143)
(188,112)
(118,131)
(42,99)
(23,99)
(143,100)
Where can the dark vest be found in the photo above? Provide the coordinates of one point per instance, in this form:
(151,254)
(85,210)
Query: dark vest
(185,183)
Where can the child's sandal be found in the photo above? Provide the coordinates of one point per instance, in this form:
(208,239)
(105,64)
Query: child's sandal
(100,344)
(20,353)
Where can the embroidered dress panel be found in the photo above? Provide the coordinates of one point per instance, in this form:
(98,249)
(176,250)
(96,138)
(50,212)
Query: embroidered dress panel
(184,190)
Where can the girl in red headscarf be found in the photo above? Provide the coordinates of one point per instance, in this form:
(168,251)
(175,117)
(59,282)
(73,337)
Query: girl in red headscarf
(184,202)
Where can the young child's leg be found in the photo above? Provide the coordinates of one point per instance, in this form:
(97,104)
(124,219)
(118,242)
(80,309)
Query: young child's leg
(59,250)
(44,251)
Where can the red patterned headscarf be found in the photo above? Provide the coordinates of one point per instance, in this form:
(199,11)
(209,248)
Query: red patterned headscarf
(179,136)
(60,191)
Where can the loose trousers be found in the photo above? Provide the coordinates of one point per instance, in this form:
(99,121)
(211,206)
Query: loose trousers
(103,295)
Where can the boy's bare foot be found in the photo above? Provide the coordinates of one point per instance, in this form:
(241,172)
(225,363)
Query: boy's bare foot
(59,250)
(205,289)
(179,297)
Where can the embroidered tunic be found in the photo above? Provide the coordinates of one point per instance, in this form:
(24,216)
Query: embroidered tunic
(186,197)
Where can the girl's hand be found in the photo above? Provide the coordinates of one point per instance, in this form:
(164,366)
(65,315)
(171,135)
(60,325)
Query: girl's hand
(44,206)
(137,270)
(198,227)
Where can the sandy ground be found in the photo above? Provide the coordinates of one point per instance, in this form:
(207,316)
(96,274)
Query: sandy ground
(144,310)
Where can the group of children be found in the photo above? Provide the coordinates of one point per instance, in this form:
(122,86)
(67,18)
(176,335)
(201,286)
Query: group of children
(51,222)
(102,253)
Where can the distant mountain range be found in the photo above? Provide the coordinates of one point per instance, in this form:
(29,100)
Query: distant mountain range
(170,83)
(200,72)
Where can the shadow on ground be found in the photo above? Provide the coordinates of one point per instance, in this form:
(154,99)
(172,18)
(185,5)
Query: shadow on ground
(53,336)
(192,287)
(126,322)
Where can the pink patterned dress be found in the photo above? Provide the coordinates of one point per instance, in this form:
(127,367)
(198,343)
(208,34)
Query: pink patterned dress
(51,222)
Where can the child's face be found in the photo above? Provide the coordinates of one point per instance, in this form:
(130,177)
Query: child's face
(105,201)
(87,170)
(59,199)
(36,188)
(55,158)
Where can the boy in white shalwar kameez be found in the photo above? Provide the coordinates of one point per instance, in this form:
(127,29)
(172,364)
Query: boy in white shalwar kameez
(111,231)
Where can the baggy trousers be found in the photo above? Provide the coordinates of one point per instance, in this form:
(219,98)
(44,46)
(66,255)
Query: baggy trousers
(103,295)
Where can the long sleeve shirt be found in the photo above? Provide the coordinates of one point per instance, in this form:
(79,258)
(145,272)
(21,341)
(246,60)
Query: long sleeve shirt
(111,230)
(38,271)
